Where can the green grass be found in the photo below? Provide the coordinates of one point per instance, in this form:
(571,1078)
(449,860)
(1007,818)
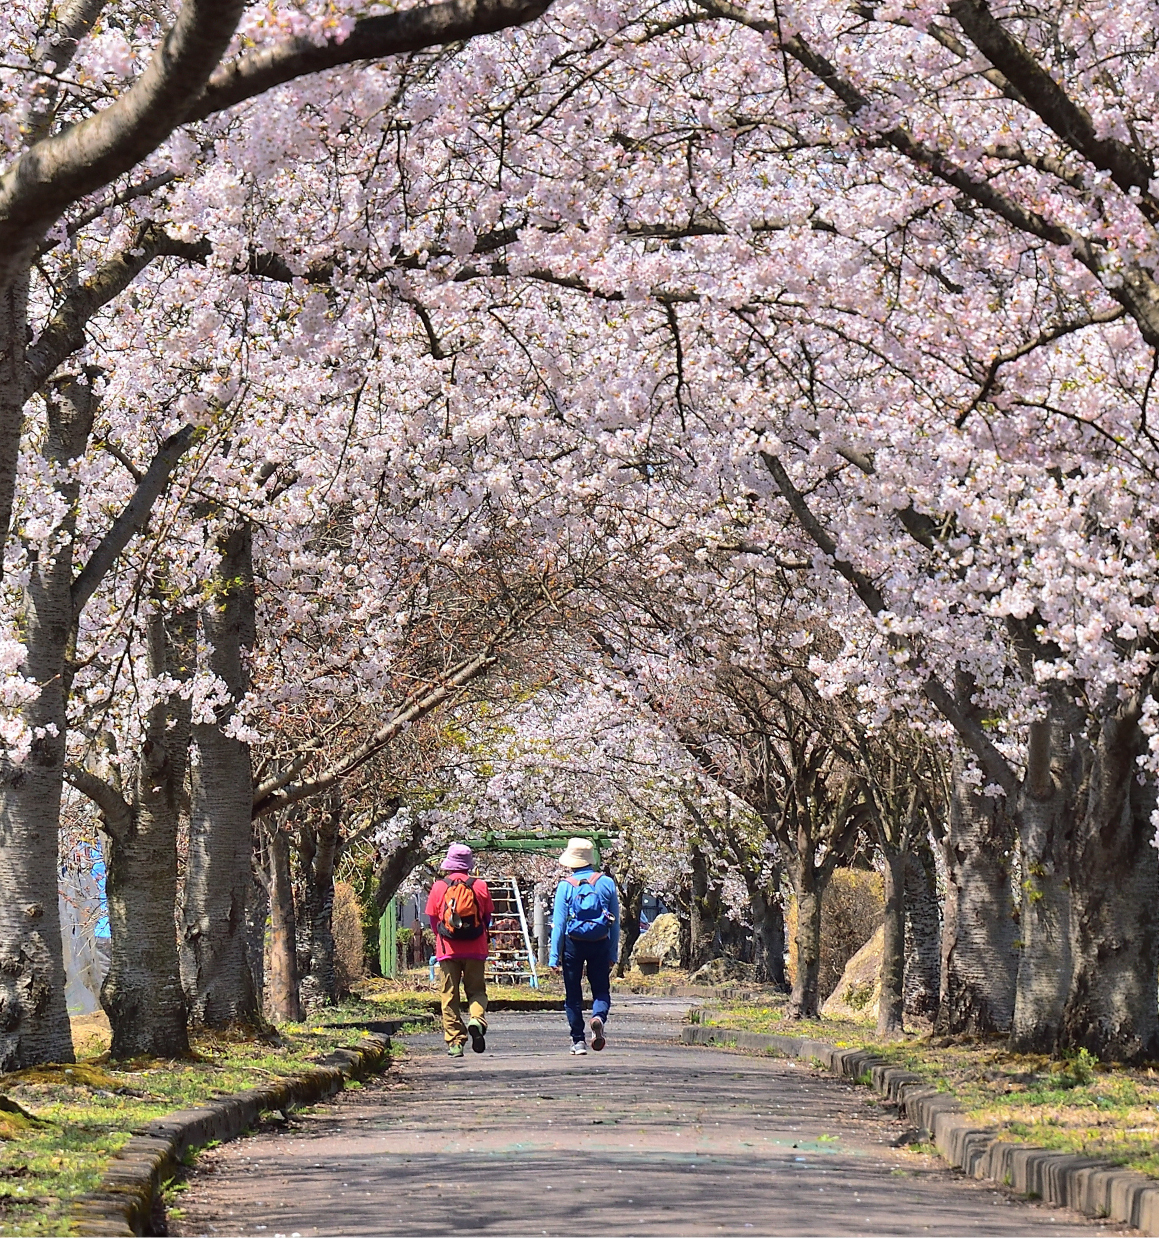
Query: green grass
(1071,1104)
(82,1114)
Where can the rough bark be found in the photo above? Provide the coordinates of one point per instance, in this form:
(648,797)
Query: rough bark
(803,998)
(704,911)
(14,390)
(1111,1004)
(214,957)
(893,942)
(395,868)
(1081,777)
(257,918)
(631,901)
(979,958)
(31,969)
(824,829)
(142,993)
(318,848)
(1045,961)
(923,934)
(768,935)
(34,1024)
(282,992)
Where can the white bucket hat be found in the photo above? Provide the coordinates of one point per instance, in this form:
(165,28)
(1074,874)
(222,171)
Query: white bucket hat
(579,853)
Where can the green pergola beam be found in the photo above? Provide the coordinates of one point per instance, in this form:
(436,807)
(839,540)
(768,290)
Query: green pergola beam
(532,843)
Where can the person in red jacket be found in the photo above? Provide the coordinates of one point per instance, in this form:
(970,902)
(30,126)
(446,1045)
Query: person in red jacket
(460,910)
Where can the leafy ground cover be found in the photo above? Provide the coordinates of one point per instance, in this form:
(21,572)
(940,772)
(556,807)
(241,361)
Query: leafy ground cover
(60,1124)
(1073,1104)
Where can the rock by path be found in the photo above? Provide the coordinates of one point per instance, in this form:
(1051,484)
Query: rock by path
(649,1137)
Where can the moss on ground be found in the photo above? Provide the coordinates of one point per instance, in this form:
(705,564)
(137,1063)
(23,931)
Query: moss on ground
(1072,1104)
(75,1117)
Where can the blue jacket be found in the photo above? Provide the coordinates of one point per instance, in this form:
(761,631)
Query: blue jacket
(605,892)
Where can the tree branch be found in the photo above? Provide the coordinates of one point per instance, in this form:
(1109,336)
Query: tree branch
(1130,169)
(367,830)
(65,334)
(133,518)
(373,38)
(1136,290)
(58,170)
(277,781)
(969,728)
(1047,336)
(114,810)
(184,81)
(59,38)
(414,708)
(863,586)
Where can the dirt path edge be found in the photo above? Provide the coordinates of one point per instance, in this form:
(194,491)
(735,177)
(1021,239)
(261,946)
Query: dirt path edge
(129,1199)
(1083,1183)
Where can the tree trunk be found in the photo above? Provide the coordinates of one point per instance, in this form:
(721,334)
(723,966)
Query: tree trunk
(395,868)
(923,932)
(34,1024)
(979,960)
(1111,1006)
(319,985)
(704,910)
(768,935)
(893,942)
(214,921)
(730,940)
(142,993)
(808,889)
(631,900)
(283,987)
(257,917)
(1044,925)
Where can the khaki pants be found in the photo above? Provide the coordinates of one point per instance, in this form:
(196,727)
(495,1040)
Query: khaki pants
(451,972)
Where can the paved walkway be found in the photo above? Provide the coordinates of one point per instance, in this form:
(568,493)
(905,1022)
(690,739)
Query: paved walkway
(648,1137)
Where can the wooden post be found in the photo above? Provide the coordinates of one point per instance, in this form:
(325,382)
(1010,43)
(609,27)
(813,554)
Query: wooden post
(389,941)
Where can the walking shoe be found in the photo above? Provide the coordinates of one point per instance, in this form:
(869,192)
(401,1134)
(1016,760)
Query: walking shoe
(579,1048)
(455,1050)
(597,1026)
(476,1030)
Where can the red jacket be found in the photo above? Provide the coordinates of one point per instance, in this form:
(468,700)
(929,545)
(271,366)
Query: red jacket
(449,948)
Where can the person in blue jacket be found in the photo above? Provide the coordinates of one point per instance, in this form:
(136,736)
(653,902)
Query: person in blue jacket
(585,933)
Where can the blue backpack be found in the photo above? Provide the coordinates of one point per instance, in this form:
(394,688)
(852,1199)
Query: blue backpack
(587,919)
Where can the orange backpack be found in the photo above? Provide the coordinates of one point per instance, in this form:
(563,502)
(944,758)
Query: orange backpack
(462,918)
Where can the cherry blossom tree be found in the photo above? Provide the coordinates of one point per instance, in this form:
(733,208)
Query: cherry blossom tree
(854,311)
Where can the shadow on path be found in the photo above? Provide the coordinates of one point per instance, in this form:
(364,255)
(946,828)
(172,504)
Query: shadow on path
(648,1137)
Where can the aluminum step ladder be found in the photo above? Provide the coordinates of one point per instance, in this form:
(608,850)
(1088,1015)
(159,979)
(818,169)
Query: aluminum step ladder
(512,957)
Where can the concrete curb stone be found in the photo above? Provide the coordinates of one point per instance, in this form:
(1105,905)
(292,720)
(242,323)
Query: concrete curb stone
(1085,1184)
(128,1200)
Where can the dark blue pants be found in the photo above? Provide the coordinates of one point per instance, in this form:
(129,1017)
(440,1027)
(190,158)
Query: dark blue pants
(598,957)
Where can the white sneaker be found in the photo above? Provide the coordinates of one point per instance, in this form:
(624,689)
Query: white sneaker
(580,1049)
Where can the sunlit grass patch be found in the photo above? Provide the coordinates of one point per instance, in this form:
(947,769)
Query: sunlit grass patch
(1071,1104)
(76,1116)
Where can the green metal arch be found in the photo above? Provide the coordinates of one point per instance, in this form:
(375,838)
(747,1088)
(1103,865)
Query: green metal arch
(529,842)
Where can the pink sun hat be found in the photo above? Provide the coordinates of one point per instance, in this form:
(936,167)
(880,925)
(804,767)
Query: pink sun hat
(459,859)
